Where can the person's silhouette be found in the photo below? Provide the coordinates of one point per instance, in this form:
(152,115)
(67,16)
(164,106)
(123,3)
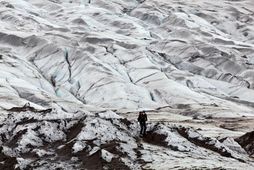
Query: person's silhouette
(142,118)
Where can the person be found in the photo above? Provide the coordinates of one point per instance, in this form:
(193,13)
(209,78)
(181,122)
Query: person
(142,118)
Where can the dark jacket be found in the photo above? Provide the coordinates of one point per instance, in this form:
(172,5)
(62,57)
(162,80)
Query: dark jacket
(142,117)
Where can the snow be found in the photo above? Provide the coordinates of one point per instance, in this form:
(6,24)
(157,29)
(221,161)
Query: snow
(109,115)
(94,150)
(48,129)
(233,145)
(107,156)
(78,146)
(23,163)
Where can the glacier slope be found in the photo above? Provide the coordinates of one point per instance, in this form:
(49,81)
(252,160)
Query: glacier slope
(178,60)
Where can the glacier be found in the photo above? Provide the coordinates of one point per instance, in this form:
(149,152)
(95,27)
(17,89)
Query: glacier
(75,74)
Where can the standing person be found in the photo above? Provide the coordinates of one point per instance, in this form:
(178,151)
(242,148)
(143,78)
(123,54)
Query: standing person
(142,118)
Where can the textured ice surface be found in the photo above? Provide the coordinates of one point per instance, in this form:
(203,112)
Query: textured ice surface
(189,63)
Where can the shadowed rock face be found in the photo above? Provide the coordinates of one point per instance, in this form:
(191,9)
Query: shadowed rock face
(247,142)
(82,63)
(7,162)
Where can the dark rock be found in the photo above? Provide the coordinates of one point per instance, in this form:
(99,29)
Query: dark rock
(247,142)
